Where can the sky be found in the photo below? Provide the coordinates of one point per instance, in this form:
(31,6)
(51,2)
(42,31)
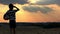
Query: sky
(33,10)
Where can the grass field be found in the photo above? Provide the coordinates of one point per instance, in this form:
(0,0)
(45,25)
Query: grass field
(4,29)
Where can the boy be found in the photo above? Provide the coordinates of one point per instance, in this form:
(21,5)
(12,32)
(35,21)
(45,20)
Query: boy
(12,17)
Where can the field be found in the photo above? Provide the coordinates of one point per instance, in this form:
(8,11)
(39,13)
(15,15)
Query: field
(30,28)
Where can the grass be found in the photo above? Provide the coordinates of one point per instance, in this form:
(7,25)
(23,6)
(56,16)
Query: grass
(4,29)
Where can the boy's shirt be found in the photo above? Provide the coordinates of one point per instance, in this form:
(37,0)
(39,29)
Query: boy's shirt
(11,14)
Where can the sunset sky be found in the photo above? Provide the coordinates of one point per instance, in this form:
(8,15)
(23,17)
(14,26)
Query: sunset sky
(33,10)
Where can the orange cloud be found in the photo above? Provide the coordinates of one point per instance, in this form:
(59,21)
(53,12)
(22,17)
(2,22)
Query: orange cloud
(25,16)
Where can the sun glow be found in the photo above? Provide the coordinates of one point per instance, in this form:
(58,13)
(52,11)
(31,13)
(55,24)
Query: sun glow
(33,1)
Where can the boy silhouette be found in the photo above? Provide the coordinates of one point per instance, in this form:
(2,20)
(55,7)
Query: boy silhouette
(12,17)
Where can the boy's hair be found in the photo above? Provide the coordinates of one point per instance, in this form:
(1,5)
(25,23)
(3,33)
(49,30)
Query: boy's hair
(11,6)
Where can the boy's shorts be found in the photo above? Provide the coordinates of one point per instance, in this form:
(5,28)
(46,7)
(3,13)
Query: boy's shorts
(12,24)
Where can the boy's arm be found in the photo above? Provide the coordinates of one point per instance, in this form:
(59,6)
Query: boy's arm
(17,9)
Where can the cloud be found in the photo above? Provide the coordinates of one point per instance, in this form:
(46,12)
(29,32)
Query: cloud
(47,2)
(13,1)
(39,2)
(37,8)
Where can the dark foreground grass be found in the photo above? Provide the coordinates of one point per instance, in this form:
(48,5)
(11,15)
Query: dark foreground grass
(29,28)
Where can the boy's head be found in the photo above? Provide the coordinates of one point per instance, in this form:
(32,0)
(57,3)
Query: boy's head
(11,6)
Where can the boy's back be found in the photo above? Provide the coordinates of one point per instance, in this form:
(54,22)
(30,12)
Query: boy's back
(11,14)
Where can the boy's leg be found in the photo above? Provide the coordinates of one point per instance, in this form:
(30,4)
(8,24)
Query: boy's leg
(11,31)
(14,31)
